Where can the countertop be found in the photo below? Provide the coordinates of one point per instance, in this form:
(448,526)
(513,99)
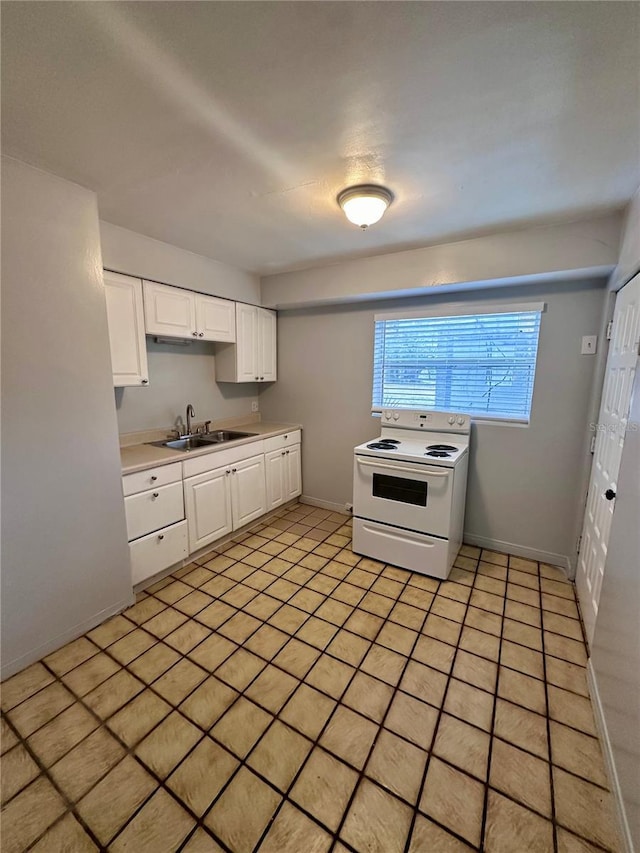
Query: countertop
(137,457)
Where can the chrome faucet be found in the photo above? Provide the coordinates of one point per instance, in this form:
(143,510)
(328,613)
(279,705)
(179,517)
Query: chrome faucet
(190,414)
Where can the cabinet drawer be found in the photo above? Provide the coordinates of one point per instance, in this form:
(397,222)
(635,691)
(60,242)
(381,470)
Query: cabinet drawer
(277,442)
(221,458)
(154,509)
(152,478)
(158,551)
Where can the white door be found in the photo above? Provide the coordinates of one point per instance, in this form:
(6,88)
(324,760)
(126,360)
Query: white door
(248,491)
(169,311)
(208,505)
(215,318)
(275,477)
(610,432)
(125,317)
(267,368)
(247,350)
(294,471)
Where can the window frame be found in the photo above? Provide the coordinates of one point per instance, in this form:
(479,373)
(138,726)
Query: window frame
(457,310)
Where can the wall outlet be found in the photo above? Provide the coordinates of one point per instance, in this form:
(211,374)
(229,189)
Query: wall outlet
(589,344)
(348,507)
(254,406)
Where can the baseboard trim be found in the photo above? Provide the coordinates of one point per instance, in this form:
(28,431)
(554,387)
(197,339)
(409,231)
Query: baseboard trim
(560,560)
(53,645)
(330,505)
(623,824)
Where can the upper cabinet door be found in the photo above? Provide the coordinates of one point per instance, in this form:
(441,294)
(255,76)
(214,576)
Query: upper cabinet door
(169,311)
(215,318)
(247,352)
(125,317)
(267,345)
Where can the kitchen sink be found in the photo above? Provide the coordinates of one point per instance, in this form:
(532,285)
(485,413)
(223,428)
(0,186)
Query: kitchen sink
(193,442)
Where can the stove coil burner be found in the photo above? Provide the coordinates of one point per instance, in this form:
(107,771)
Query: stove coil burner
(438,453)
(447,447)
(390,441)
(379,445)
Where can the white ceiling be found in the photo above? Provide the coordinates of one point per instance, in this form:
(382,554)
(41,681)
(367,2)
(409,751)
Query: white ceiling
(227,128)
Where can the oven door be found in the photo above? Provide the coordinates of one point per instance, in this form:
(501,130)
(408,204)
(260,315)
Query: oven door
(416,497)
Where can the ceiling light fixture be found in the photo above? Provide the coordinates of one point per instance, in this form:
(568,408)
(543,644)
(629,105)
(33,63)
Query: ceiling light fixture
(365,204)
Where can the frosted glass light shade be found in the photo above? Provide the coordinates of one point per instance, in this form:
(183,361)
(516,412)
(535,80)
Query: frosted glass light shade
(364,205)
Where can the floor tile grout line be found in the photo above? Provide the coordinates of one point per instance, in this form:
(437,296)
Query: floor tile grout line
(487,787)
(166,604)
(161,640)
(440,712)
(550,750)
(70,806)
(317,744)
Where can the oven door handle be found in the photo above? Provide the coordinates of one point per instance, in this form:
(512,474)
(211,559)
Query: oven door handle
(429,473)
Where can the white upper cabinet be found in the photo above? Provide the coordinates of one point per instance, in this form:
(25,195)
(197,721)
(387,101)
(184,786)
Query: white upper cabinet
(125,317)
(172,312)
(266,345)
(215,318)
(169,311)
(253,358)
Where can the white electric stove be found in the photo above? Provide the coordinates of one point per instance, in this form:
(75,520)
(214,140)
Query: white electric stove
(409,490)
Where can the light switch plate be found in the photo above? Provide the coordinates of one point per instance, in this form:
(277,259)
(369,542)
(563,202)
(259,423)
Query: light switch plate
(589,344)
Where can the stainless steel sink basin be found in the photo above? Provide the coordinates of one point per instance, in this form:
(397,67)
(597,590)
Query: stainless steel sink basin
(225,435)
(193,442)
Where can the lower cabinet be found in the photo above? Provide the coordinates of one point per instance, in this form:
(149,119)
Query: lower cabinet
(283,468)
(157,551)
(156,527)
(223,499)
(176,509)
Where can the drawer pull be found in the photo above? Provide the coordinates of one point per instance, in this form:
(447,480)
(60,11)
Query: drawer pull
(233,470)
(161,537)
(153,478)
(155,495)
(282,454)
(287,452)
(228,471)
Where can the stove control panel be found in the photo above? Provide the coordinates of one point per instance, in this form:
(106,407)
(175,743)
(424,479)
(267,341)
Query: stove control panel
(427,420)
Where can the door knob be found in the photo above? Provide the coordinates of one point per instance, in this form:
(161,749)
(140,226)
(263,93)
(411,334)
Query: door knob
(609,494)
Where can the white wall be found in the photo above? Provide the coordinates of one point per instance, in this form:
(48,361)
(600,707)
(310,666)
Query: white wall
(65,560)
(524,482)
(575,250)
(134,254)
(629,260)
(177,376)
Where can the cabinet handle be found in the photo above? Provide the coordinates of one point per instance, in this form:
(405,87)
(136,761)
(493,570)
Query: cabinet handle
(233,470)
(227,472)
(282,454)
(201,334)
(153,478)
(155,495)
(262,378)
(195,334)
(145,381)
(287,452)
(161,537)
(257,377)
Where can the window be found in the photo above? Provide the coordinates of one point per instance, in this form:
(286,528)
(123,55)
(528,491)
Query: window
(482,364)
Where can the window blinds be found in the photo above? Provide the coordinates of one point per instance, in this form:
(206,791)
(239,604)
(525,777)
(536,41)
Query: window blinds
(481,364)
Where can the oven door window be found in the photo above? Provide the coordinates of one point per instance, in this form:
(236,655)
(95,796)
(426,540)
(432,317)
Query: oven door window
(400,489)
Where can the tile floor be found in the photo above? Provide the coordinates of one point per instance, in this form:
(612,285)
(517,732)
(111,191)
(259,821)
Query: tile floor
(282,694)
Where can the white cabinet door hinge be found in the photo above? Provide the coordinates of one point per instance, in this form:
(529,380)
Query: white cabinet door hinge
(593,444)
(578,544)
(609,329)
